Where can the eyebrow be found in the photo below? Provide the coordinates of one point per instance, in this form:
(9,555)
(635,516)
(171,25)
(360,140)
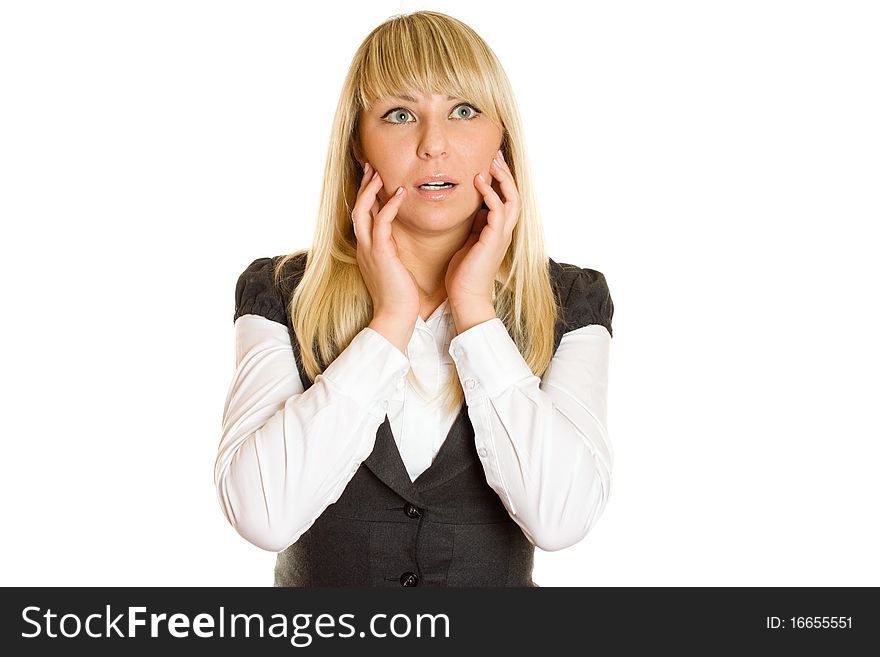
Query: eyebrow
(413,100)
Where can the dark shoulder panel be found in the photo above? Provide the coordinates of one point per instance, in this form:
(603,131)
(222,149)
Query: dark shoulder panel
(256,294)
(584,296)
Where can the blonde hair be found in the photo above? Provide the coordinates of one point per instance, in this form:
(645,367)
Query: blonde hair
(423,52)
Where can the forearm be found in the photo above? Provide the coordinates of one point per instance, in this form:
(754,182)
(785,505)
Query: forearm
(543,445)
(285,454)
(542,464)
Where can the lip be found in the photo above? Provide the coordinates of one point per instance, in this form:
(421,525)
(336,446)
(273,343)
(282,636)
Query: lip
(437,177)
(436,195)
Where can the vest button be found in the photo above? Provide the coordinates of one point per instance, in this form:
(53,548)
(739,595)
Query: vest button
(412,511)
(409,579)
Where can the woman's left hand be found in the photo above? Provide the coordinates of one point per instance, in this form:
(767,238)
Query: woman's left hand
(470,275)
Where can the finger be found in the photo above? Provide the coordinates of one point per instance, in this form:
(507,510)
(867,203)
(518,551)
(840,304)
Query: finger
(368,175)
(365,180)
(360,202)
(360,214)
(382,224)
(502,174)
(364,199)
(495,218)
(499,159)
(512,203)
(489,196)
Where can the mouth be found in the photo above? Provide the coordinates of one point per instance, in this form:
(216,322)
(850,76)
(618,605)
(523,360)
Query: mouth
(437,185)
(437,192)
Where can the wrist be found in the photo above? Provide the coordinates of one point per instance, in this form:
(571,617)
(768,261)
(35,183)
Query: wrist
(397,331)
(466,315)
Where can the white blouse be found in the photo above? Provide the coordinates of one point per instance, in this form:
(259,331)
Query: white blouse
(285,455)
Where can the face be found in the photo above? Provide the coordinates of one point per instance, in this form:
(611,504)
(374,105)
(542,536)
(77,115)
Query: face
(408,140)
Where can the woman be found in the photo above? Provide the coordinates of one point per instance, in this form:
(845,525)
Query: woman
(394,418)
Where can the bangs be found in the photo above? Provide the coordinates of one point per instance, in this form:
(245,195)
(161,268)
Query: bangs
(412,57)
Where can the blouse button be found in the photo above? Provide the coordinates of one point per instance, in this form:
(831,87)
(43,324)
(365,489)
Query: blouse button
(469,384)
(456,352)
(385,405)
(482,451)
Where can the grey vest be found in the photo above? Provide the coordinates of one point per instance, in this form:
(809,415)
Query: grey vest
(448,528)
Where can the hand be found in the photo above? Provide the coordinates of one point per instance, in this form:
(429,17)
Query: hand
(392,286)
(470,275)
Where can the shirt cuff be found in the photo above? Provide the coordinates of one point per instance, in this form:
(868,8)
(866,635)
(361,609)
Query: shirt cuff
(368,370)
(487,360)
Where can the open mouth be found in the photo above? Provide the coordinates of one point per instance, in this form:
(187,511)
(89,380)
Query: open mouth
(436,191)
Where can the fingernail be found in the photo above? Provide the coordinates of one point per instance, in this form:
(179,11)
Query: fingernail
(480,176)
(399,191)
(374,175)
(501,156)
(366,166)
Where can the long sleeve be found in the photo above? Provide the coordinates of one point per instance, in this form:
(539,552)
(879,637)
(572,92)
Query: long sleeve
(543,443)
(286,454)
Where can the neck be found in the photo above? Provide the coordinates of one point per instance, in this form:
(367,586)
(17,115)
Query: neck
(427,255)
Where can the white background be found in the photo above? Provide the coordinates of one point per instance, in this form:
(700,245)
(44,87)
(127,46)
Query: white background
(717,161)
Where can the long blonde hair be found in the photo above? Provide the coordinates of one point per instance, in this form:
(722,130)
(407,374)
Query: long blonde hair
(423,52)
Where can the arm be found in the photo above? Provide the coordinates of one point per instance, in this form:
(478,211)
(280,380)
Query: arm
(285,455)
(543,443)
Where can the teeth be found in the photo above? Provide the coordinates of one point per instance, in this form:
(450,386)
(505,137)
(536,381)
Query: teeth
(436,185)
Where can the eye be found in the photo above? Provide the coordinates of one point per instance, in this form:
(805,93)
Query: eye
(473,109)
(399,112)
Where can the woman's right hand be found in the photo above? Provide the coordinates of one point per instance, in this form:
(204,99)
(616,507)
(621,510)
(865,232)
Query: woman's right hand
(392,286)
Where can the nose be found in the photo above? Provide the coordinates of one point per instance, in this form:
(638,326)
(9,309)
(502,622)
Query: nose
(432,149)
(434,140)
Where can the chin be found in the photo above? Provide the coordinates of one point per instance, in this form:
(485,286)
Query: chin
(441,216)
